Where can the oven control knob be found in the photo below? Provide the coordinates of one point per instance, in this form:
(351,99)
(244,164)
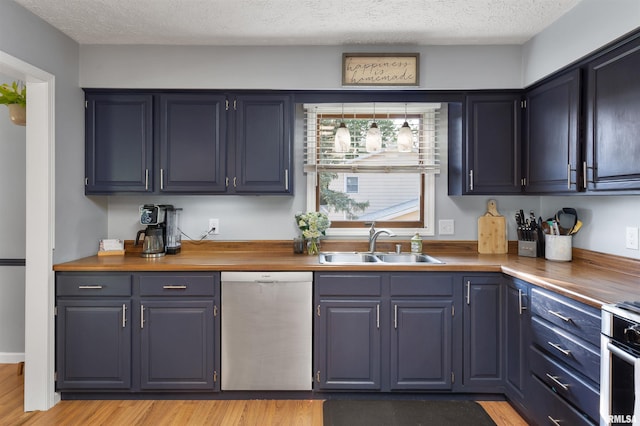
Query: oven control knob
(632,334)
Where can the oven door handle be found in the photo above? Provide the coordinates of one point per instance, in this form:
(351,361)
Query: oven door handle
(621,353)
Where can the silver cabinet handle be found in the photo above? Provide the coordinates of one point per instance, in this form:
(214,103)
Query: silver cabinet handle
(471,180)
(557,382)
(584,174)
(235,179)
(226,181)
(90,287)
(559,348)
(378,316)
(141,316)
(395,316)
(468,292)
(568,175)
(521,307)
(286,179)
(161,179)
(124,315)
(146,179)
(559,315)
(554,421)
(174,287)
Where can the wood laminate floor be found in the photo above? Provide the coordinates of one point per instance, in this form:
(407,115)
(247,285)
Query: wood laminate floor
(157,413)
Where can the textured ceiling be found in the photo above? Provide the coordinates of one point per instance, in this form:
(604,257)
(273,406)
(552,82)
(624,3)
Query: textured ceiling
(299,22)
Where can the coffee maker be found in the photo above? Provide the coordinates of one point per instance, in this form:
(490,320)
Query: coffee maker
(162,234)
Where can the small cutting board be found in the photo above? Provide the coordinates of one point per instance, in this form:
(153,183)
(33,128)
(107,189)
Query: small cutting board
(492,231)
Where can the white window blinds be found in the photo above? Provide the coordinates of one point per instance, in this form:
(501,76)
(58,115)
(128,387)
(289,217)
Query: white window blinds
(426,120)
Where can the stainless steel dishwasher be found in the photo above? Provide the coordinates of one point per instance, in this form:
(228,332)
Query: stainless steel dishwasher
(266,329)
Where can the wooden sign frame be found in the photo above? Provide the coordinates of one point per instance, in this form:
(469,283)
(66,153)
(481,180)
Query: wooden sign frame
(380,69)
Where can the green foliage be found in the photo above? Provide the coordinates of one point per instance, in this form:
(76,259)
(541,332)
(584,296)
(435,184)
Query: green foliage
(339,201)
(14,94)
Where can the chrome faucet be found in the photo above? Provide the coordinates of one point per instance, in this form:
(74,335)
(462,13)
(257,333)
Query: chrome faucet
(374,234)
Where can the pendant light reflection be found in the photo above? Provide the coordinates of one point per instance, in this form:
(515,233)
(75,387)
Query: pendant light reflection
(373,141)
(342,140)
(405,135)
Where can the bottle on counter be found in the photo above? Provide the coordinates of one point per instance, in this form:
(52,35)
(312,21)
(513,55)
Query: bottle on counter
(416,243)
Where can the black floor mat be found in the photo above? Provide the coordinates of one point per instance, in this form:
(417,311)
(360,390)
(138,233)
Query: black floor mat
(338,412)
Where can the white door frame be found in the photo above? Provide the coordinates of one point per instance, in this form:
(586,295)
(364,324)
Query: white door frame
(39,387)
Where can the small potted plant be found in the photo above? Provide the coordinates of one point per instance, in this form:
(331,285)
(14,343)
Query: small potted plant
(14,96)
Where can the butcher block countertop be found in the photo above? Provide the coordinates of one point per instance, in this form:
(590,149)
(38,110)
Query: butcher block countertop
(592,278)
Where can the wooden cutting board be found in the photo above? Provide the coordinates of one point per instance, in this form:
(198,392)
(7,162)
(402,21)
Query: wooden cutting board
(492,231)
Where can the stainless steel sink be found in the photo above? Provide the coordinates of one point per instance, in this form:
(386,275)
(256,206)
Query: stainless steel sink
(358,258)
(406,258)
(348,258)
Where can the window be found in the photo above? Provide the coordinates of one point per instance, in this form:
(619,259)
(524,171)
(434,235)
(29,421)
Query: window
(356,184)
(351,184)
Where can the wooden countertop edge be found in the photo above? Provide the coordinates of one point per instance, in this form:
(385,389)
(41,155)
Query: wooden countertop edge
(591,278)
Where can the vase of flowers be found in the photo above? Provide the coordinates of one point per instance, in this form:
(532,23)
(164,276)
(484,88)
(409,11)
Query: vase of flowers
(313,225)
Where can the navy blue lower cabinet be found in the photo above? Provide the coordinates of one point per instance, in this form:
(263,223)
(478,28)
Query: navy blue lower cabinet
(349,332)
(176,344)
(93,344)
(421,344)
(517,327)
(483,333)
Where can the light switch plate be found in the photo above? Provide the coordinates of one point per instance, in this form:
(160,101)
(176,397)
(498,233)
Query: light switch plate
(446,227)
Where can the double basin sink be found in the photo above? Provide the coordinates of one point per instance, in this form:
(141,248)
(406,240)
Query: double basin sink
(366,258)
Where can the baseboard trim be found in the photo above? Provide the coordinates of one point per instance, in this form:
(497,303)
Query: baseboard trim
(11,357)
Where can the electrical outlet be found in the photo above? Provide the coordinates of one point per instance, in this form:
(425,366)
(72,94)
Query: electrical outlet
(631,240)
(215,225)
(446,227)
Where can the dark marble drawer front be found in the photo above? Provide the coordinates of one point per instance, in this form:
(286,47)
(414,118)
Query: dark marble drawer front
(569,315)
(565,347)
(566,383)
(89,285)
(176,285)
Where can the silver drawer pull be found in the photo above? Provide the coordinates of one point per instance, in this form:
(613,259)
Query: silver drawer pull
(558,315)
(554,421)
(90,287)
(174,287)
(558,347)
(557,382)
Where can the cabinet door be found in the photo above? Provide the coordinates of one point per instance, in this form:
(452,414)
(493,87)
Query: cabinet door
(483,333)
(517,341)
(192,143)
(118,143)
(177,344)
(263,146)
(613,120)
(551,137)
(348,339)
(93,344)
(421,344)
(493,144)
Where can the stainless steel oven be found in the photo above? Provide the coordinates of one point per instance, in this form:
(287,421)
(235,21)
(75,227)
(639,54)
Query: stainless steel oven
(620,365)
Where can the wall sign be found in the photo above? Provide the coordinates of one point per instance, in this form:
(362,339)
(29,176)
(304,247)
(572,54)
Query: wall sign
(380,69)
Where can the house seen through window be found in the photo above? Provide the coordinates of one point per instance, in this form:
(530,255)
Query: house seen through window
(360,181)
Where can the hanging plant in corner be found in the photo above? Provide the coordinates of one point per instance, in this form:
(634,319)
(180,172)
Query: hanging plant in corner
(14,96)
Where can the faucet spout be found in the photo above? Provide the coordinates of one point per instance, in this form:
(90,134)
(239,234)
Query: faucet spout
(374,234)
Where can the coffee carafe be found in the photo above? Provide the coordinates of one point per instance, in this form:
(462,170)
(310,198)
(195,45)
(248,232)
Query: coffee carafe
(154,234)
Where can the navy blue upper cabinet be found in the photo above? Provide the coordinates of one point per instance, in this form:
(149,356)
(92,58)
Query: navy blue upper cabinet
(551,142)
(192,142)
(119,143)
(263,146)
(491,163)
(613,119)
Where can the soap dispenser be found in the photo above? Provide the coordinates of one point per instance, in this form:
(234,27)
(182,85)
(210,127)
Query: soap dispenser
(416,243)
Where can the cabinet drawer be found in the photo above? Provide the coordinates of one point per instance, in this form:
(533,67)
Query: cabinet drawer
(566,383)
(565,347)
(112,284)
(176,284)
(421,284)
(575,317)
(549,409)
(349,284)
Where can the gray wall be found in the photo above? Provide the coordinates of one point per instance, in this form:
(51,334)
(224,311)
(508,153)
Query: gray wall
(12,232)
